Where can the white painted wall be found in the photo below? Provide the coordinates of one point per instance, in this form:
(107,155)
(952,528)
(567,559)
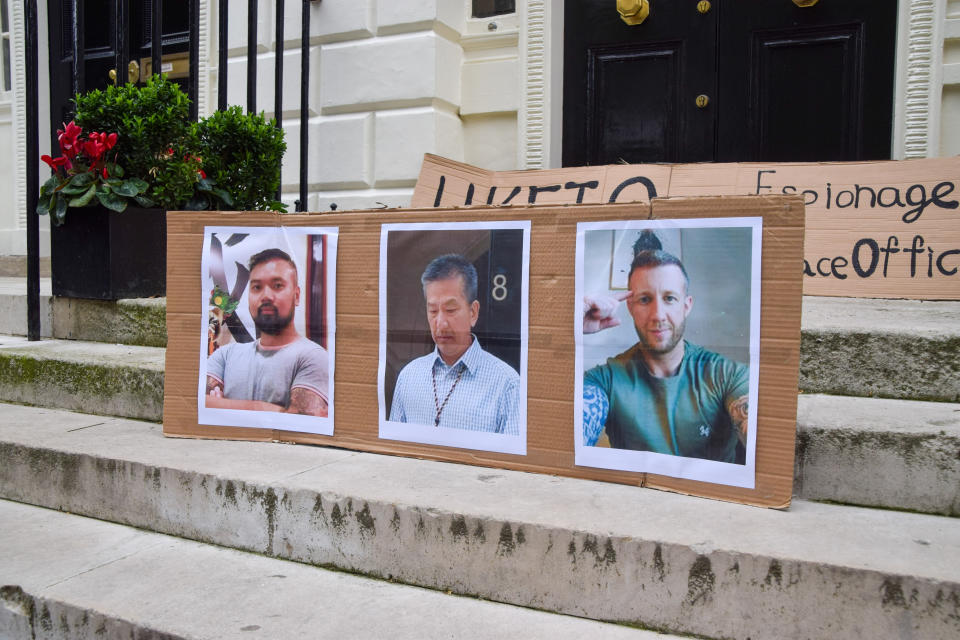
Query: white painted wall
(391,80)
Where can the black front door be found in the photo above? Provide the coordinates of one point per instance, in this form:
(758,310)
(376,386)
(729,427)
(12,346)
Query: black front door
(116,37)
(728,80)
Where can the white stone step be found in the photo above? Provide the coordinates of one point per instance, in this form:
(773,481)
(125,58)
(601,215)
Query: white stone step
(604,551)
(66,577)
(881,348)
(139,321)
(856,347)
(899,454)
(867,451)
(95,377)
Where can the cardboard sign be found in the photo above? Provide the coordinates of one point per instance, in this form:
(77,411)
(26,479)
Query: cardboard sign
(551,425)
(873,229)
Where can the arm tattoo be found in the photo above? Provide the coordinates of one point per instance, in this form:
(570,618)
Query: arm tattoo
(213,383)
(306,402)
(596,406)
(739,410)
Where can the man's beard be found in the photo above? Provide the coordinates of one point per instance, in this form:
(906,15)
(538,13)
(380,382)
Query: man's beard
(274,324)
(676,335)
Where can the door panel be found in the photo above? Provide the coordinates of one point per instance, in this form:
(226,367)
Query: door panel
(782,83)
(808,84)
(629,91)
(617,82)
(115,33)
(794,121)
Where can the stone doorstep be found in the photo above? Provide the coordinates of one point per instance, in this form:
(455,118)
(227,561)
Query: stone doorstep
(866,451)
(101,378)
(140,321)
(857,347)
(898,454)
(605,551)
(79,578)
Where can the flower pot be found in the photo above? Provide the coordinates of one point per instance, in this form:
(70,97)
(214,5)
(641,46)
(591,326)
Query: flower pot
(105,255)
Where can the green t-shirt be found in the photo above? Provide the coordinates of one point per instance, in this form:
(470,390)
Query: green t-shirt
(682,415)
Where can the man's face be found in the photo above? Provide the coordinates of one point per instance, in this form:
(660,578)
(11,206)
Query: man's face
(659,305)
(450,316)
(273,295)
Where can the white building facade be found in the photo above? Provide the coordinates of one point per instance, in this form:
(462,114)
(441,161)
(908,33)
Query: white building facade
(391,80)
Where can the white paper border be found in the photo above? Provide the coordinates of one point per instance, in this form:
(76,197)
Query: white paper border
(269,419)
(662,464)
(429,434)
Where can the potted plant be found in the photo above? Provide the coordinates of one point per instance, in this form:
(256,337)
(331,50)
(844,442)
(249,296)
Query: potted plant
(109,191)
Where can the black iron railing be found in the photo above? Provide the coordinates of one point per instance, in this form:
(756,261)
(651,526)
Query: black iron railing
(156,36)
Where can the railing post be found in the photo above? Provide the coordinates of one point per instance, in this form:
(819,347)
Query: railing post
(222,57)
(278,78)
(79,49)
(194,89)
(304,102)
(156,36)
(251,56)
(33,172)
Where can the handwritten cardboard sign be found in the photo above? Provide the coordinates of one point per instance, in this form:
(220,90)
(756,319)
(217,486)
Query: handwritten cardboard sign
(873,229)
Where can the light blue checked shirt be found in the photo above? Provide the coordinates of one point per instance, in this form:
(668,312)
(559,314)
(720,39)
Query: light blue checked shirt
(486,398)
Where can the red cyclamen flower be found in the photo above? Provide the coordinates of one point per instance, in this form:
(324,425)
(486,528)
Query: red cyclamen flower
(56,162)
(67,137)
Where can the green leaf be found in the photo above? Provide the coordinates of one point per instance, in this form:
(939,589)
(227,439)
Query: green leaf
(196,203)
(43,207)
(144,201)
(60,212)
(114,182)
(81,179)
(84,200)
(141,185)
(72,190)
(51,183)
(115,170)
(111,201)
(223,195)
(126,188)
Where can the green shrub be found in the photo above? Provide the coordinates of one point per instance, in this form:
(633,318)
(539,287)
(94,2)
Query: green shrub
(242,154)
(156,140)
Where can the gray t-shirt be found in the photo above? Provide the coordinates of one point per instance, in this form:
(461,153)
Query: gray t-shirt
(250,371)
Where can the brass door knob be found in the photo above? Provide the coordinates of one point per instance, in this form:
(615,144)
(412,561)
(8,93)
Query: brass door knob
(133,71)
(633,11)
(704,6)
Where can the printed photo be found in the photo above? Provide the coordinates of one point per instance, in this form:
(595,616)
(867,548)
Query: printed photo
(267,339)
(668,347)
(453,334)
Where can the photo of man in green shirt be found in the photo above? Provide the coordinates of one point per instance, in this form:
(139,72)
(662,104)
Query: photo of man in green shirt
(664,394)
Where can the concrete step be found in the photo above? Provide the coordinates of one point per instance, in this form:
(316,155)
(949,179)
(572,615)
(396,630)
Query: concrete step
(867,451)
(603,551)
(137,321)
(107,379)
(68,577)
(881,348)
(856,347)
(899,454)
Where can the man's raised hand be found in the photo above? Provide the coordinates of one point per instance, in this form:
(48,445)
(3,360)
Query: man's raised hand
(599,312)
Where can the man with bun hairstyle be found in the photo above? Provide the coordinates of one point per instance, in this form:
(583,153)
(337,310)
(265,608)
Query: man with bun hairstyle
(664,394)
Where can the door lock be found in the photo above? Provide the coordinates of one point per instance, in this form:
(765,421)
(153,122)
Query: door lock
(703,6)
(112,74)
(633,11)
(702,100)
(805,3)
(133,72)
